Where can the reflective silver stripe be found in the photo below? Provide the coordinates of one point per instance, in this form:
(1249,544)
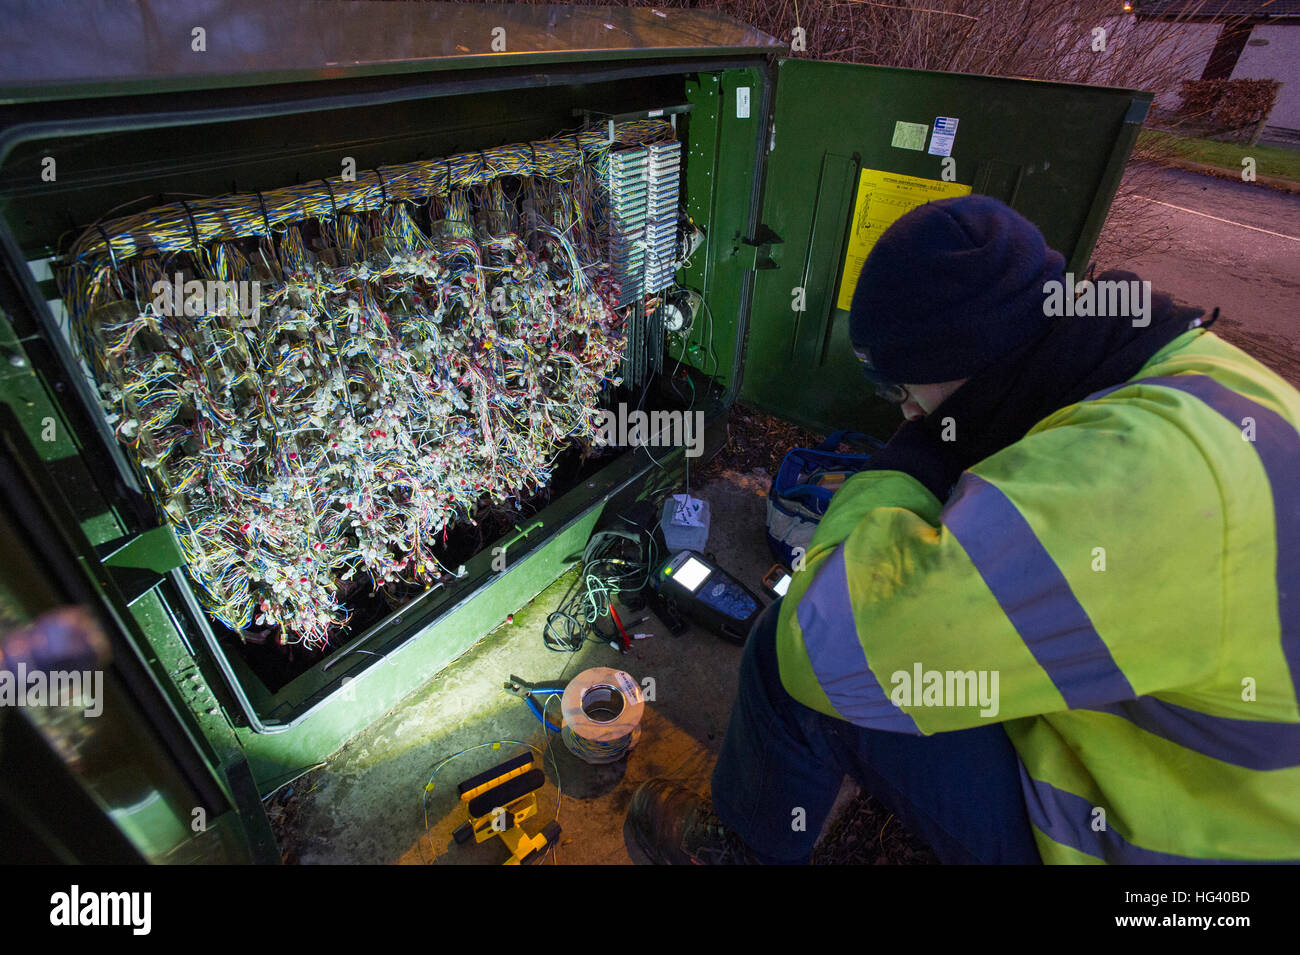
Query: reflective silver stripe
(1278,445)
(830,635)
(1033,593)
(1251,744)
(1068,819)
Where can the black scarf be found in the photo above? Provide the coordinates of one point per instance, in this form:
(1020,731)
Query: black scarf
(1072,359)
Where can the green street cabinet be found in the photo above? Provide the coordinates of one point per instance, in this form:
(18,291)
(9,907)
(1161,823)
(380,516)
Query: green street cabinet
(789,168)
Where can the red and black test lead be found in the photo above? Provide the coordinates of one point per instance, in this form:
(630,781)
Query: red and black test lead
(627,641)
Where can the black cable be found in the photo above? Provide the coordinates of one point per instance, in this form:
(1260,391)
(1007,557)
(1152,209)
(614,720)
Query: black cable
(603,576)
(333,205)
(112,257)
(266,220)
(564,632)
(194,229)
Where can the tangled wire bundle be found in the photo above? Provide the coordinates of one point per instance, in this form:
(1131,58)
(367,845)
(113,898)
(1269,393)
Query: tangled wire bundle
(382,381)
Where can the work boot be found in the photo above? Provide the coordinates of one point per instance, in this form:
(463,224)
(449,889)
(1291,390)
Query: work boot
(674,826)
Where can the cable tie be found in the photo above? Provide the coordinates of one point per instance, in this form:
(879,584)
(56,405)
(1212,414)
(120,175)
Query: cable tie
(265,218)
(112,256)
(333,205)
(194,229)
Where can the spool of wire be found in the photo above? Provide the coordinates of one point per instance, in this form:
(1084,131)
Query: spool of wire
(602,710)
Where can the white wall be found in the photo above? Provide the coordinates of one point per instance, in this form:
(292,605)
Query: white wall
(1185,45)
(1190,43)
(1280,60)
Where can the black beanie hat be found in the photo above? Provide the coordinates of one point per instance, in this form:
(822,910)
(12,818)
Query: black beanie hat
(950,287)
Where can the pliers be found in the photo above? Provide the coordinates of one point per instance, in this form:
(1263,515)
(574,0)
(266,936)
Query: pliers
(526,691)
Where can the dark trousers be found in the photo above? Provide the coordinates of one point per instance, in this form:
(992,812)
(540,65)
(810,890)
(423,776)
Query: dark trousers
(782,765)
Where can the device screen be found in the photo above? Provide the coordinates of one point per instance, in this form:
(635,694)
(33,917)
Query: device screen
(782,585)
(692,573)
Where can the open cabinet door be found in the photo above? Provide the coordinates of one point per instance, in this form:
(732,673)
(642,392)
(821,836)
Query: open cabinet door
(114,773)
(854,147)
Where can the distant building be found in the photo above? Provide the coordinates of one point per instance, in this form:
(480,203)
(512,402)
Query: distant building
(1237,39)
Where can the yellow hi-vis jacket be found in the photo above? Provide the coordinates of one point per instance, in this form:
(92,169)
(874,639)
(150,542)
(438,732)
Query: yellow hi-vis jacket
(1129,573)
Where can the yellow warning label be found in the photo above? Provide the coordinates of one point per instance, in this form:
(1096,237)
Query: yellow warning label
(882,198)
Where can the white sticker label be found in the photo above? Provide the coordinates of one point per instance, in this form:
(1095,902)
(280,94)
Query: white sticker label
(945,134)
(631,691)
(742,103)
(655,112)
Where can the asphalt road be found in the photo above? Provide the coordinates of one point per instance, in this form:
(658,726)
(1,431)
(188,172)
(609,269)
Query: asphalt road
(1237,246)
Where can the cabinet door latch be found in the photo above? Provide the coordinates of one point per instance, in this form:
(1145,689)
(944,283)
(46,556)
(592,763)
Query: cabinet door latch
(758,250)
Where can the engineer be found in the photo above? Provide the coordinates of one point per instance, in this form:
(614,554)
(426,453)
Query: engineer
(1094,516)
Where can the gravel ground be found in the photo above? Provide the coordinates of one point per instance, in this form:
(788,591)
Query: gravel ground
(866,833)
